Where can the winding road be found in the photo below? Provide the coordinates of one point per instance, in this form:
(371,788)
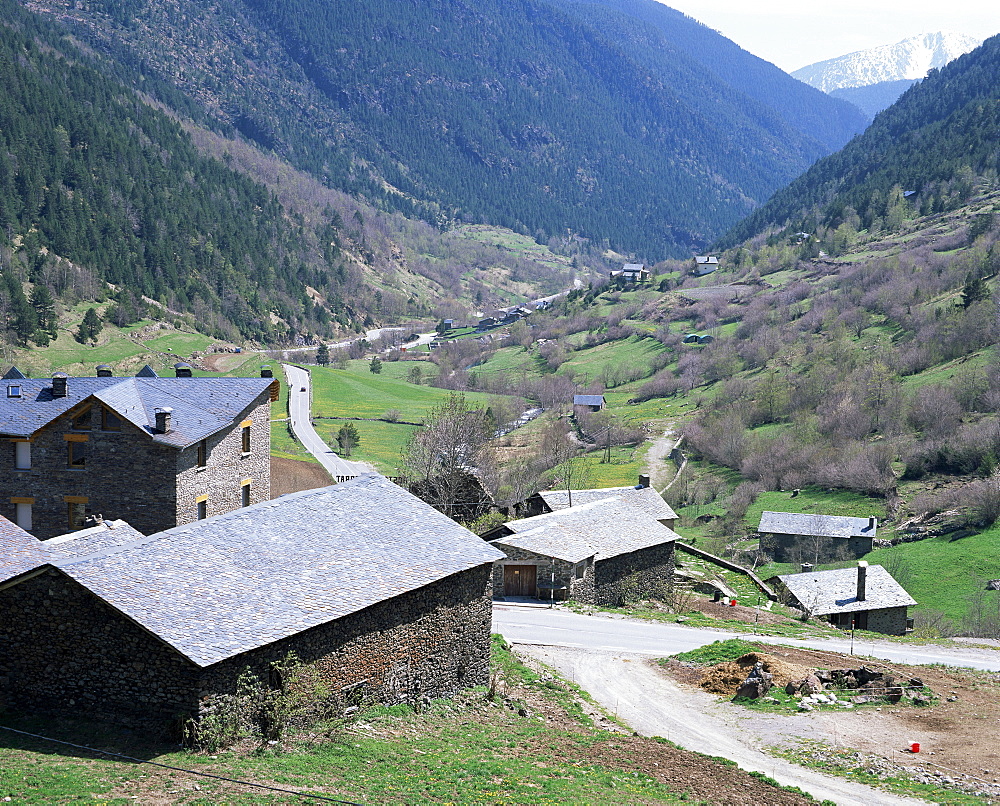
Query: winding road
(611,659)
(299,397)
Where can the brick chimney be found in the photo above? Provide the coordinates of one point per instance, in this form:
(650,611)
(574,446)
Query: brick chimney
(60,381)
(182,370)
(265,371)
(643,480)
(104,371)
(163,419)
(862,578)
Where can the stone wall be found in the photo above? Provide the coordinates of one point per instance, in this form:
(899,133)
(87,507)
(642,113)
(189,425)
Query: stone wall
(812,549)
(637,575)
(65,650)
(227,467)
(888,620)
(579,589)
(127,475)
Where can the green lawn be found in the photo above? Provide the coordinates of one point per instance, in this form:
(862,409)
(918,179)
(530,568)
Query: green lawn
(591,364)
(356,392)
(381,443)
(180,343)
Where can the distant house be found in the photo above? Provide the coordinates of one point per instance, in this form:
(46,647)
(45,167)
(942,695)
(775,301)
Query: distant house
(486,323)
(588,402)
(382,596)
(603,552)
(789,537)
(866,597)
(156,452)
(641,496)
(632,274)
(704,264)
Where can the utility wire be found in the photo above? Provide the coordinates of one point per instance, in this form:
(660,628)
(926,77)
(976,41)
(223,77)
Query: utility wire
(182,769)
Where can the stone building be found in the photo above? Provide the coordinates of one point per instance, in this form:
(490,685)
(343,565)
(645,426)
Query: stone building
(866,597)
(604,552)
(794,538)
(377,592)
(156,452)
(640,495)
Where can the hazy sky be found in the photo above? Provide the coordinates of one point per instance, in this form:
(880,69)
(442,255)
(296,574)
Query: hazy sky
(794,33)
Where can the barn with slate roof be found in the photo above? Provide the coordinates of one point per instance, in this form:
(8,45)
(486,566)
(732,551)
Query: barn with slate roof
(603,552)
(789,537)
(156,452)
(375,591)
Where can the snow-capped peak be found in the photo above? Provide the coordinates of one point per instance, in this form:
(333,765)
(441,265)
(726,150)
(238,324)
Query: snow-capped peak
(909,59)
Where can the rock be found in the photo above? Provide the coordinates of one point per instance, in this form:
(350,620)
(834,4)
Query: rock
(916,681)
(804,706)
(757,684)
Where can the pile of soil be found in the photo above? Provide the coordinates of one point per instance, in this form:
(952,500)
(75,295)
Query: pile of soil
(293,475)
(725,678)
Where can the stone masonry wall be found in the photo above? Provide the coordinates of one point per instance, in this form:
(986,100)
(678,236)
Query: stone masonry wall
(431,642)
(65,650)
(227,467)
(888,620)
(636,575)
(126,476)
(579,590)
(810,549)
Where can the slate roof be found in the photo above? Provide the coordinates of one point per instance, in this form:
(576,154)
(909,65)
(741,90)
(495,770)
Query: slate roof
(218,587)
(633,267)
(604,528)
(20,552)
(644,498)
(827,592)
(706,260)
(787,523)
(82,542)
(13,374)
(201,406)
(588,400)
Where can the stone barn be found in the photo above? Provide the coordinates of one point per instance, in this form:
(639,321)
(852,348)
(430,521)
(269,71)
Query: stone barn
(866,597)
(605,552)
(374,590)
(807,538)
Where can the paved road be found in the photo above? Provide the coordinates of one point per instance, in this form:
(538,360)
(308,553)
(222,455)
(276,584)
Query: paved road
(562,628)
(298,408)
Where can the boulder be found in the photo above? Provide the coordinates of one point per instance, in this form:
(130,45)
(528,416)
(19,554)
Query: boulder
(757,684)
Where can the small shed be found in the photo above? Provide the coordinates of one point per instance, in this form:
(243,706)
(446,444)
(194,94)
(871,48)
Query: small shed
(866,597)
(588,402)
(704,264)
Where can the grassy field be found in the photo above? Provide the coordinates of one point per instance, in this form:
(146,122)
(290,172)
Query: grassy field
(591,364)
(469,750)
(380,444)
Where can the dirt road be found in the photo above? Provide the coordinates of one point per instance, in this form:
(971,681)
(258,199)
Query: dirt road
(631,687)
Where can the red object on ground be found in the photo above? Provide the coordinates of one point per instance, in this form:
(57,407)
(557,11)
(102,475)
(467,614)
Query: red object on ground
(732,603)
(915,747)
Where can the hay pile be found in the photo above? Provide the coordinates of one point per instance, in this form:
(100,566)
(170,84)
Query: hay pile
(725,678)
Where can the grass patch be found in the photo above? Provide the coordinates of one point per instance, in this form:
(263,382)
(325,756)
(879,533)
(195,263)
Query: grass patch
(381,443)
(717,652)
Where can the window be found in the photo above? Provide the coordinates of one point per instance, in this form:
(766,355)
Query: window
(81,420)
(245,494)
(203,453)
(22,516)
(110,421)
(76,455)
(14,390)
(22,456)
(246,439)
(581,568)
(202,509)
(76,511)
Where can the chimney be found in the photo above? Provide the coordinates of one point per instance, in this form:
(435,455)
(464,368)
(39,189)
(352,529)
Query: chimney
(265,371)
(104,371)
(59,384)
(807,567)
(872,523)
(862,575)
(163,420)
(643,480)
(182,370)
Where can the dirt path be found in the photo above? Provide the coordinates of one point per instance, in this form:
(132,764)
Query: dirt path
(654,705)
(660,469)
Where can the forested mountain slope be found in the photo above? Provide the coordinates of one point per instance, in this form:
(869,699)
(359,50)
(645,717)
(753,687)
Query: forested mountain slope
(935,140)
(539,115)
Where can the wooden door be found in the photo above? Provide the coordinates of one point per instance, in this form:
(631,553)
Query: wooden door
(519,580)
